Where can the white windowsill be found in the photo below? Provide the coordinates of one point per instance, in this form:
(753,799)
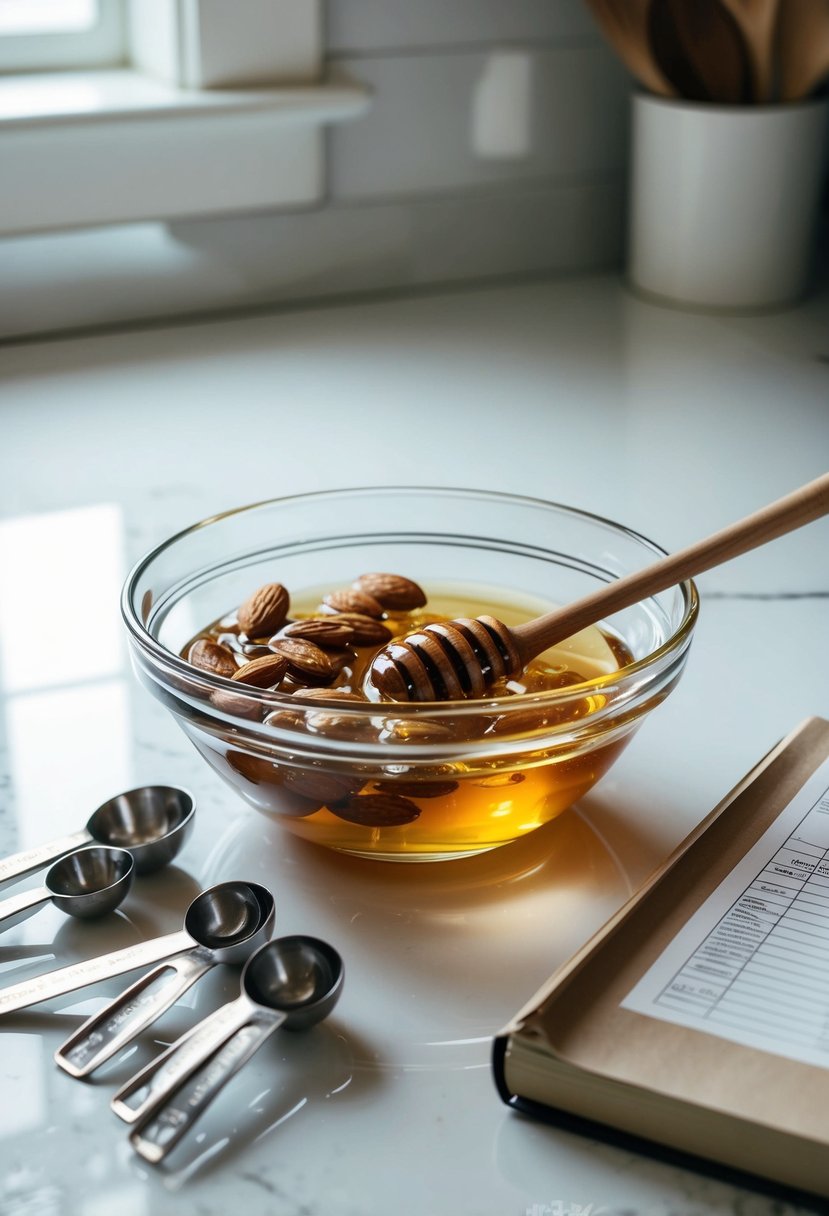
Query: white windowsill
(117,95)
(81,148)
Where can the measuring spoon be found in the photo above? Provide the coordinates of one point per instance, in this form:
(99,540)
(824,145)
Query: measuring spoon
(293,982)
(218,920)
(104,1034)
(86,884)
(152,822)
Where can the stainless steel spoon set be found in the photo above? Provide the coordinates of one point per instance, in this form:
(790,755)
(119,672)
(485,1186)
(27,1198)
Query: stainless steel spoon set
(133,833)
(292,981)
(151,822)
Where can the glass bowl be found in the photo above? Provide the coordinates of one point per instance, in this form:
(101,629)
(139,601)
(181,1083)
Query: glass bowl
(406,782)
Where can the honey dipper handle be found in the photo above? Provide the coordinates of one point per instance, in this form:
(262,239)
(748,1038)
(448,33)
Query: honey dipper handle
(800,507)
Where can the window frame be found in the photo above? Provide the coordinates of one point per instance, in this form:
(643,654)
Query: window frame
(103,44)
(190,128)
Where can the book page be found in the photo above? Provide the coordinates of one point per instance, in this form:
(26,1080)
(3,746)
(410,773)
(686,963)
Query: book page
(752,963)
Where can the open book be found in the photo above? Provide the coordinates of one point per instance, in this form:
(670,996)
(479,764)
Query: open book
(697,1018)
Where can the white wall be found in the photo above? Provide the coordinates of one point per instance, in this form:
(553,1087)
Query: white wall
(495,146)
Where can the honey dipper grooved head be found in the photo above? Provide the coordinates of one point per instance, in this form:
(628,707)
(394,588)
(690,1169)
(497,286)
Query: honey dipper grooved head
(446,662)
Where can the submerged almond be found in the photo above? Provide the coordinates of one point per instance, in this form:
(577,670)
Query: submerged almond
(210,656)
(322,631)
(264,672)
(377,810)
(393,591)
(347,599)
(264,611)
(304,661)
(366,630)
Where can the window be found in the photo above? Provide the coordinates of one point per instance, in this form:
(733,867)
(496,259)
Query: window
(56,34)
(171,109)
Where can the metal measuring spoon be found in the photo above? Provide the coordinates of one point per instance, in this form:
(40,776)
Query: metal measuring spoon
(220,919)
(293,982)
(87,883)
(104,1034)
(151,822)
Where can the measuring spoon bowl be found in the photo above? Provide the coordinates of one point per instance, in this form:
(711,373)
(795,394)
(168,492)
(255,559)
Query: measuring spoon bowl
(299,976)
(227,923)
(86,884)
(224,919)
(91,882)
(293,982)
(152,822)
(246,905)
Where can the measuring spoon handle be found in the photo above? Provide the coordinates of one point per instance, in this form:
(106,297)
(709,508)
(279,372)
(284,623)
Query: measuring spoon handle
(171,1114)
(90,971)
(123,1019)
(158,1079)
(21,864)
(19,907)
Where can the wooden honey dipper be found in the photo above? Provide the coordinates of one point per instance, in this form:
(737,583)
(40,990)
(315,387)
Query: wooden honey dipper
(464,658)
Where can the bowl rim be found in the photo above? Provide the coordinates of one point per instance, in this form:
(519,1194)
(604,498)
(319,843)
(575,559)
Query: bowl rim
(676,643)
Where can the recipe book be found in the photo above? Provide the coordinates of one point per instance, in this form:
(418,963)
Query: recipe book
(697,1018)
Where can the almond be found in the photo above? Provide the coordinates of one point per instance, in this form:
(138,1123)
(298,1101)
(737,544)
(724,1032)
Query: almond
(265,672)
(255,768)
(325,720)
(330,694)
(393,591)
(210,656)
(417,789)
(376,810)
(324,788)
(367,631)
(327,631)
(265,611)
(349,600)
(295,718)
(303,660)
(234,704)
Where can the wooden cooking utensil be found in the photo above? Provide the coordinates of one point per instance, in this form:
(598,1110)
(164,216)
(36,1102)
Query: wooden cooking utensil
(624,24)
(803,47)
(757,20)
(464,658)
(700,48)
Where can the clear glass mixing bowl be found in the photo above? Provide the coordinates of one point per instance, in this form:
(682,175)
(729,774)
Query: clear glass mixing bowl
(405,782)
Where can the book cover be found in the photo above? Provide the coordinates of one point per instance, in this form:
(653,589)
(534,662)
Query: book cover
(697,1018)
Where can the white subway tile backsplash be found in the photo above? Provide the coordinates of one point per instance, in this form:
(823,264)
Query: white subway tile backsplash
(366,25)
(495,145)
(141,271)
(473,119)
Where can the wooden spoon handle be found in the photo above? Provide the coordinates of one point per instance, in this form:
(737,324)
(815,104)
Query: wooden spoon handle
(800,507)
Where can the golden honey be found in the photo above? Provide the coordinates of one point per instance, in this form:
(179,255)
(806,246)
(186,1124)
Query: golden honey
(423,785)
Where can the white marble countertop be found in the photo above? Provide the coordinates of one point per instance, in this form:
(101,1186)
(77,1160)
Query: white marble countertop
(670,422)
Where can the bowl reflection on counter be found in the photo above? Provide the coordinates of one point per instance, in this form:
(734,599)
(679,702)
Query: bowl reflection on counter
(406,782)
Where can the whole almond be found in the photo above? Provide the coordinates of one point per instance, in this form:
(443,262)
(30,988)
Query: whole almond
(393,591)
(329,694)
(256,768)
(323,788)
(235,704)
(376,810)
(264,672)
(304,661)
(417,789)
(325,631)
(264,611)
(325,720)
(210,656)
(349,600)
(367,631)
